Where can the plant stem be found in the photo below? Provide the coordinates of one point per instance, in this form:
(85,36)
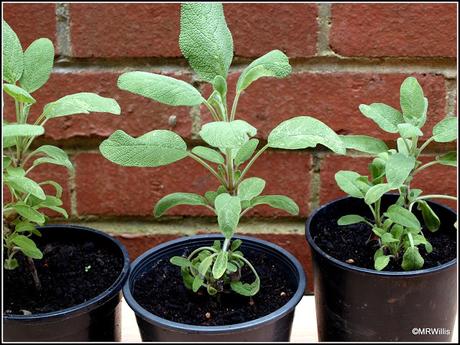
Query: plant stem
(425,144)
(207,166)
(251,162)
(33,271)
(212,111)
(235,103)
(436,196)
(424,166)
(230,172)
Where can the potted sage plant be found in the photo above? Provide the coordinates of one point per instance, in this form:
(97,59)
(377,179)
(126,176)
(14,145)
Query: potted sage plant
(385,256)
(61,282)
(215,287)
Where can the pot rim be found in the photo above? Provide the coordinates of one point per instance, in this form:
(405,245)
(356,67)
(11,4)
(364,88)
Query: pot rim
(92,303)
(188,328)
(368,271)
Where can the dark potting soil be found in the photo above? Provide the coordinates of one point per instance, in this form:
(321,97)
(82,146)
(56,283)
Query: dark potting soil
(71,272)
(161,291)
(348,244)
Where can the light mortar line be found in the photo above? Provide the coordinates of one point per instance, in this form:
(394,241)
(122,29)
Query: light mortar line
(324,24)
(315,181)
(73,189)
(451,95)
(63,29)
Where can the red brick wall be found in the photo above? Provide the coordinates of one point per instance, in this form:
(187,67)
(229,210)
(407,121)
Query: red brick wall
(342,55)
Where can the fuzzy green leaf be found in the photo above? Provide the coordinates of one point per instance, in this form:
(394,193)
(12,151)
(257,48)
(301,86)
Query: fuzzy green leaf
(273,64)
(27,246)
(430,218)
(25,185)
(13,58)
(18,93)
(407,130)
(350,219)
(81,103)
(398,168)
(220,265)
(302,132)
(205,264)
(55,185)
(235,245)
(228,209)
(347,181)
(197,282)
(250,188)
(54,155)
(364,143)
(205,39)
(208,154)
(449,158)
(402,216)
(380,260)
(153,149)
(246,289)
(376,192)
(38,63)
(246,151)
(29,213)
(160,88)
(21,130)
(277,201)
(446,130)
(175,199)
(180,261)
(412,260)
(412,100)
(386,117)
(403,148)
(227,135)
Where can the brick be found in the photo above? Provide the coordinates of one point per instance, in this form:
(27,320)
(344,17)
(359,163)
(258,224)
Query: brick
(293,243)
(333,98)
(153,29)
(104,188)
(255,32)
(31,21)
(433,180)
(394,29)
(138,114)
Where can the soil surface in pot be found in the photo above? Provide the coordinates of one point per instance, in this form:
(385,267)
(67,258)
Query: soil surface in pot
(161,291)
(350,244)
(71,272)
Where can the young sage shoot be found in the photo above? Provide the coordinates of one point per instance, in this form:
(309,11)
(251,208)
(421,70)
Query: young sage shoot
(396,230)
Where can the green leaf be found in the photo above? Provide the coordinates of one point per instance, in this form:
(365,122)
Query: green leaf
(153,149)
(398,168)
(54,155)
(25,185)
(246,151)
(59,210)
(160,88)
(235,245)
(21,130)
(11,264)
(220,265)
(205,265)
(208,154)
(25,226)
(250,188)
(364,143)
(81,103)
(29,213)
(228,209)
(449,158)
(347,181)
(350,219)
(277,201)
(231,267)
(302,132)
(387,238)
(13,58)
(197,282)
(55,185)
(227,135)
(386,117)
(380,260)
(220,85)
(273,64)
(407,130)
(402,216)
(420,239)
(180,261)
(402,148)
(376,192)
(18,93)
(205,39)
(174,199)
(38,63)
(412,260)
(27,246)
(412,100)
(216,245)
(431,220)
(246,289)
(446,130)
(377,169)
(378,231)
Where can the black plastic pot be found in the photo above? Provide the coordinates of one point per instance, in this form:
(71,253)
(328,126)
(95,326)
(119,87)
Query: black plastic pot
(358,304)
(275,326)
(97,319)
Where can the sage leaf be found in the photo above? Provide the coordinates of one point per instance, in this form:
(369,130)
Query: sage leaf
(220,85)
(246,289)
(25,185)
(446,130)
(228,209)
(160,88)
(250,188)
(81,103)
(364,143)
(273,64)
(347,181)
(430,218)
(29,213)
(386,117)
(227,135)
(175,199)
(350,219)
(277,201)
(208,154)
(153,149)
(180,261)
(197,282)
(220,265)
(398,168)
(246,151)
(412,99)
(18,93)
(403,147)
(235,245)
(27,246)
(302,132)
(54,155)
(402,216)
(376,192)
(38,63)
(449,158)
(205,265)
(21,130)
(380,260)
(407,130)
(13,58)
(205,39)
(412,260)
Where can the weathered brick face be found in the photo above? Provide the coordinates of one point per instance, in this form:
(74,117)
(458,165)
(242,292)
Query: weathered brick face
(342,55)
